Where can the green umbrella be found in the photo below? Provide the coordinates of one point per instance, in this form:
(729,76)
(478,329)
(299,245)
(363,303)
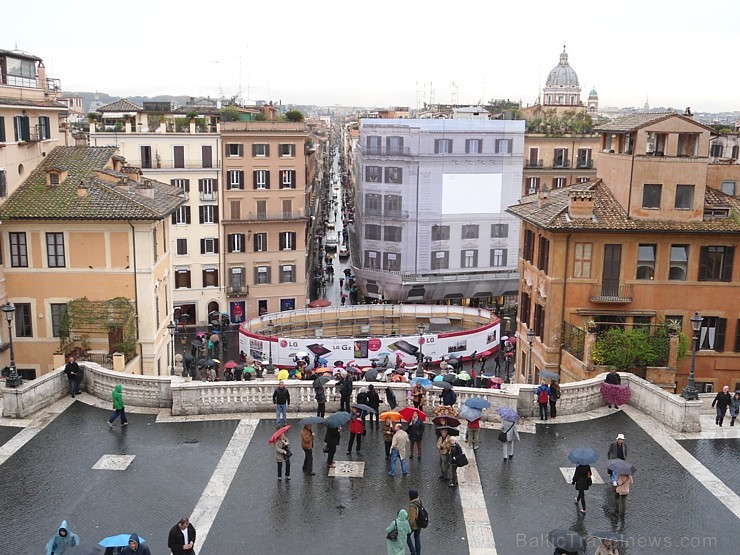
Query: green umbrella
(249,369)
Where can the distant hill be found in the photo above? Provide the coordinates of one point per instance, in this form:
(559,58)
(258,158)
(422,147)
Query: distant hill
(89,97)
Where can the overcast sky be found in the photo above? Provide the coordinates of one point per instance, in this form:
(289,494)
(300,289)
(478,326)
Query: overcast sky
(387,53)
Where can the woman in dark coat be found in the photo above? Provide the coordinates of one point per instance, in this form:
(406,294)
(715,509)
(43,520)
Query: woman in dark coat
(416,432)
(332,440)
(582,481)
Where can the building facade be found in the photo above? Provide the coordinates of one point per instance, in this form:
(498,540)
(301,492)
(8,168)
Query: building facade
(86,230)
(554,162)
(264,216)
(171,147)
(647,242)
(430,222)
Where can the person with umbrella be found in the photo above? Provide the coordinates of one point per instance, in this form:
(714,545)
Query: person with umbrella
(624,481)
(607,547)
(135,547)
(448,396)
(388,436)
(543,399)
(398,451)
(582,481)
(320,395)
(362,399)
(307,436)
(182,538)
(373,400)
(62,540)
(282,452)
(444,446)
(613,378)
(473,428)
(416,433)
(281,400)
(617,450)
(331,439)
(554,396)
(356,430)
(510,435)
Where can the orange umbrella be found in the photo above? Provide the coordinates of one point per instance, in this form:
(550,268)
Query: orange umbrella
(393,415)
(277,434)
(321,370)
(408,412)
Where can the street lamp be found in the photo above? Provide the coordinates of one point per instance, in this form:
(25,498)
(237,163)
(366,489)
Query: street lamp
(530,338)
(270,367)
(689,392)
(172,328)
(13,379)
(422,328)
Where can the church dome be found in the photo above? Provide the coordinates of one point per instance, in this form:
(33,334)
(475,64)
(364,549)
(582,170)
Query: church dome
(593,93)
(562,75)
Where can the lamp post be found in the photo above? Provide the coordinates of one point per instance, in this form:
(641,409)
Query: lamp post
(422,328)
(530,339)
(689,392)
(270,367)
(172,328)
(13,379)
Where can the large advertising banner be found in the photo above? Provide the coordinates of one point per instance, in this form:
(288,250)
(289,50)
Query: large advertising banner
(363,350)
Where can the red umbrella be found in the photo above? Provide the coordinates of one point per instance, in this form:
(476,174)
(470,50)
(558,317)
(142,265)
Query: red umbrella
(319,303)
(409,412)
(277,434)
(230,364)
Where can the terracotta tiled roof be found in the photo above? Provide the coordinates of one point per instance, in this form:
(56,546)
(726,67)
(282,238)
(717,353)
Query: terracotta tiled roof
(8,101)
(35,200)
(122,105)
(635,121)
(610,216)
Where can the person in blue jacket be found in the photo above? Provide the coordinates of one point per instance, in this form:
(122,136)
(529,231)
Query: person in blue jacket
(62,540)
(543,399)
(135,547)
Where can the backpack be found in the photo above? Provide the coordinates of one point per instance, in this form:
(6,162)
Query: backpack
(422,517)
(543,396)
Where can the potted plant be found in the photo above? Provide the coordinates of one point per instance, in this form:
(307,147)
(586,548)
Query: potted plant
(159,160)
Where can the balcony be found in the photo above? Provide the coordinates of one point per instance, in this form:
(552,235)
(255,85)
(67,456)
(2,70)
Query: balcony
(612,293)
(584,164)
(273,216)
(387,215)
(237,290)
(383,151)
(560,163)
(212,195)
(535,163)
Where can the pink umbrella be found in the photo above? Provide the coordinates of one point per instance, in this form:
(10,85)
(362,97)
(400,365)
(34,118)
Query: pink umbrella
(230,364)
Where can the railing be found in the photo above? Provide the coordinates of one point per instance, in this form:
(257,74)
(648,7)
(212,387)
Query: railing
(383,151)
(535,163)
(237,291)
(213,195)
(584,164)
(387,214)
(276,216)
(612,293)
(559,163)
(574,340)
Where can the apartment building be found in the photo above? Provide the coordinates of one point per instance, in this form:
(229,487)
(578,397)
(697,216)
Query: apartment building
(648,241)
(554,162)
(87,261)
(180,146)
(264,216)
(431,195)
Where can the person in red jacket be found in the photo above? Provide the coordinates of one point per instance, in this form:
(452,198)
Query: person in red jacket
(356,430)
(473,431)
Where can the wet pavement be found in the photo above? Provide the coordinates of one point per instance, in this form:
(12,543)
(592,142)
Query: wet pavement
(51,478)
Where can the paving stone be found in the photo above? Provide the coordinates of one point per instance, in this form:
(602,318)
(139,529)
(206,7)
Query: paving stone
(720,456)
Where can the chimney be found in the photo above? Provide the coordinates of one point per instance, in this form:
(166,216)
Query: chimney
(542,195)
(581,204)
(145,189)
(42,76)
(82,189)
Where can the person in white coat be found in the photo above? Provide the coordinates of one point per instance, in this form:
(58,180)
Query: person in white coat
(509,428)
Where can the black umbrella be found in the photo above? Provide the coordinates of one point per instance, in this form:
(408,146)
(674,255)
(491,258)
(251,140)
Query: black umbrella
(206,362)
(548,375)
(442,385)
(189,358)
(321,381)
(364,407)
(311,420)
(619,466)
(450,430)
(337,420)
(391,398)
(566,539)
(449,378)
(196,343)
(371,375)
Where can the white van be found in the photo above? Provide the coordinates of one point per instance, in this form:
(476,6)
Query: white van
(332,242)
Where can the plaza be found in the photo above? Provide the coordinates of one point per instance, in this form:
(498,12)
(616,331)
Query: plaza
(219,470)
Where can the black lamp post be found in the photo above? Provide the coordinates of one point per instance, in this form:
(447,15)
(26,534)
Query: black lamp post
(689,392)
(530,338)
(13,379)
(172,328)
(422,329)
(270,367)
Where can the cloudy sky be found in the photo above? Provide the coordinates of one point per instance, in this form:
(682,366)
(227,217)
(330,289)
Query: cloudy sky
(386,53)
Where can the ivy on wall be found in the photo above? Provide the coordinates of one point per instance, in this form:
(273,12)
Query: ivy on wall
(112,316)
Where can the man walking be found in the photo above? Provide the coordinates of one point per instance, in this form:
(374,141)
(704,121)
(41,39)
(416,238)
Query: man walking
(721,400)
(414,508)
(281,400)
(182,538)
(345,392)
(398,451)
(307,436)
(72,370)
(373,400)
(617,450)
(445,448)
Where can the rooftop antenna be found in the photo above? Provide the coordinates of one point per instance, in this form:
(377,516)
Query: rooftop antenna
(454,93)
(220,89)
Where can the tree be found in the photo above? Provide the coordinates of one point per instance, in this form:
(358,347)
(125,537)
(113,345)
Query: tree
(294,116)
(230,113)
(624,349)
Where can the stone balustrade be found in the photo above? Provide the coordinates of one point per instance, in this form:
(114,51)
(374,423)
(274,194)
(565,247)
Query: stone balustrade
(189,398)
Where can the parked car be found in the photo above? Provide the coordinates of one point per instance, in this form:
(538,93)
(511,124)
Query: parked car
(343,252)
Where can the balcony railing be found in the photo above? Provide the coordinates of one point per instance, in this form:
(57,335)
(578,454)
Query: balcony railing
(585,164)
(213,195)
(237,290)
(612,293)
(276,216)
(387,214)
(535,163)
(560,163)
(384,151)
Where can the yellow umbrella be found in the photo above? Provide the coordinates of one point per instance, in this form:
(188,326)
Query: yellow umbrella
(393,415)
(282,375)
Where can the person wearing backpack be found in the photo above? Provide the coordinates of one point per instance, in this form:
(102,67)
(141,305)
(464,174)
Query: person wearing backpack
(543,399)
(418,519)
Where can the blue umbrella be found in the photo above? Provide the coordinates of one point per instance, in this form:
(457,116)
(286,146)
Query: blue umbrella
(337,420)
(425,383)
(510,415)
(583,455)
(477,403)
(439,378)
(323,361)
(120,540)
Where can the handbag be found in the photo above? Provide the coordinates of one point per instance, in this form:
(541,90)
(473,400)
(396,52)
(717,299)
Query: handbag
(393,534)
(326,448)
(502,435)
(288,452)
